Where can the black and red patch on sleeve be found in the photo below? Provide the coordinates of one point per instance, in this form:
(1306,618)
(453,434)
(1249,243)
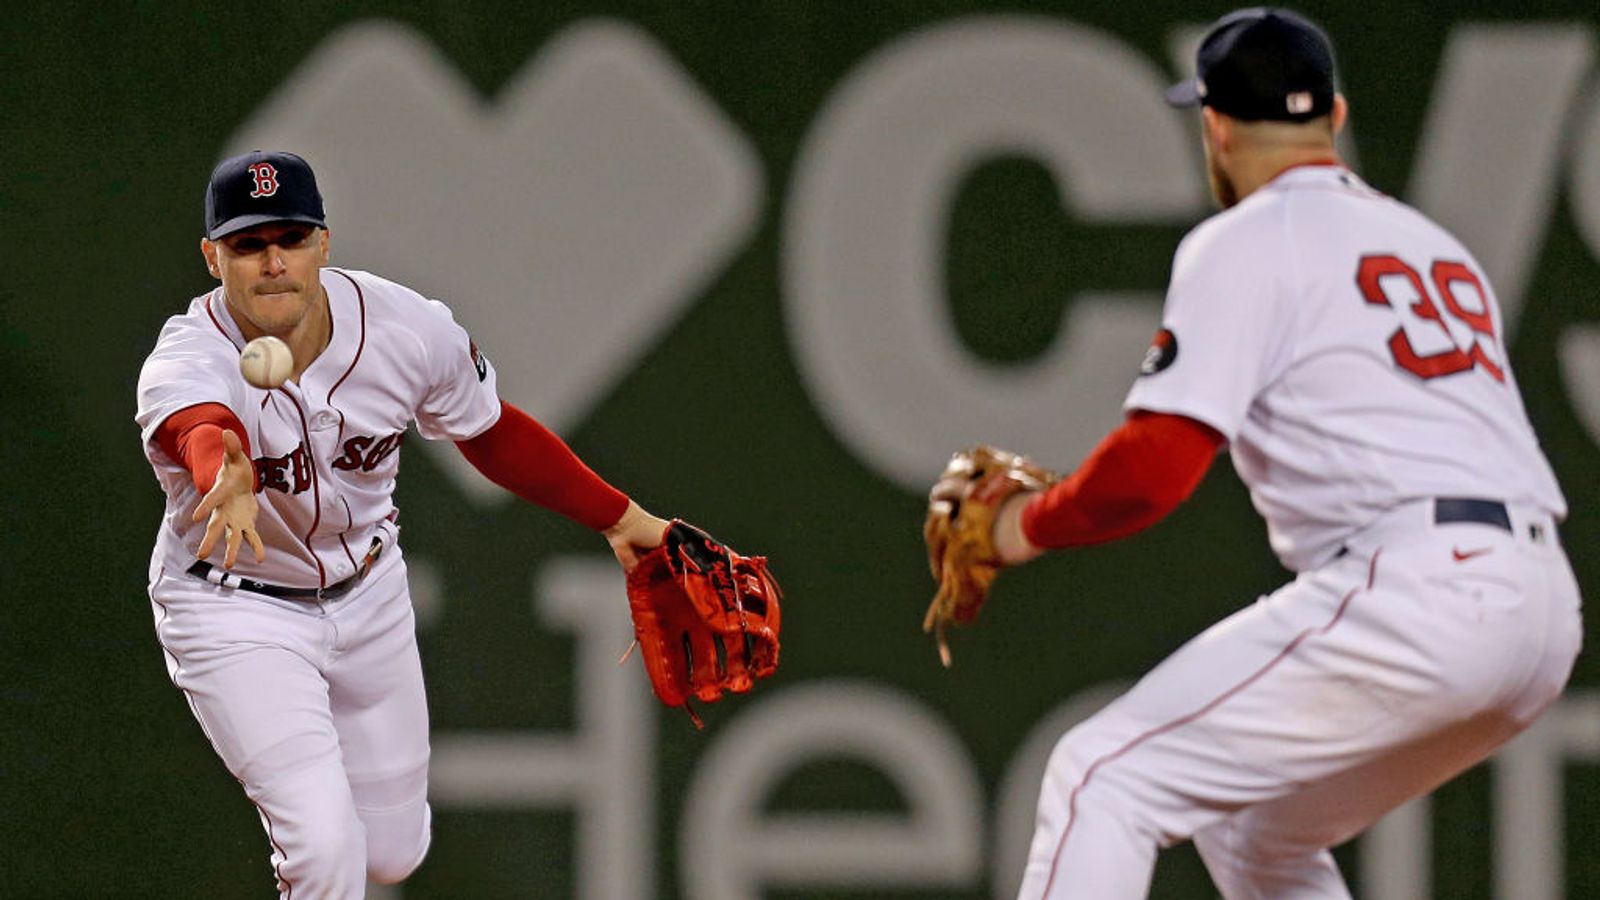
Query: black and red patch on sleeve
(1163,350)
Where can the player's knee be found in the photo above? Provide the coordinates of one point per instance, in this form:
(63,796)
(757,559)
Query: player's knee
(397,843)
(319,843)
(329,859)
(1084,778)
(1249,846)
(393,862)
(1072,760)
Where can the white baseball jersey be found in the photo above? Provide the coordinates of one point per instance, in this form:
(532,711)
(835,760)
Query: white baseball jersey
(1352,353)
(328,447)
(1350,350)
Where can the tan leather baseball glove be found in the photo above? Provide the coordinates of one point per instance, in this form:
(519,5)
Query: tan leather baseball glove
(959,530)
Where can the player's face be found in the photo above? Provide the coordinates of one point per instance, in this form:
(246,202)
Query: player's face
(270,274)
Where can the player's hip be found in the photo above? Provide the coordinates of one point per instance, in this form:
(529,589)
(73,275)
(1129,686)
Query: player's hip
(1484,609)
(200,621)
(1453,545)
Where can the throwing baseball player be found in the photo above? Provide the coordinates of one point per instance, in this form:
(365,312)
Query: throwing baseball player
(1349,353)
(299,658)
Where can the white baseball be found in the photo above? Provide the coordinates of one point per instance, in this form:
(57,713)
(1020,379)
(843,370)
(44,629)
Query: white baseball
(266,362)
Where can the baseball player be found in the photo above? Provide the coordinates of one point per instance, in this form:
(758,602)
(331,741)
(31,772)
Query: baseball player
(299,658)
(1349,353)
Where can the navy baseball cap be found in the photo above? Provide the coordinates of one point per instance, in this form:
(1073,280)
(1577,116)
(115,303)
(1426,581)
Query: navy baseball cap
(1261,64)
(258,187)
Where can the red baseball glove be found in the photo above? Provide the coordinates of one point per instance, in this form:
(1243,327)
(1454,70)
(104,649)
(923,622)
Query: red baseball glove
(705,618)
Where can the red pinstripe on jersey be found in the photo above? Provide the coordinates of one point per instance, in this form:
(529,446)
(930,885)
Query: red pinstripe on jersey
(217,322)
(361,345)
(316,493)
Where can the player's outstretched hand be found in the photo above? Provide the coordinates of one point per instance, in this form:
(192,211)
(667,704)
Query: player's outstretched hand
(231,505)
(634,535)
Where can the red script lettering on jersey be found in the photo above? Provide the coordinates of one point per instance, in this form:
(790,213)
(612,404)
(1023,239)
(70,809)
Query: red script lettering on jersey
(366,452)
(289,473)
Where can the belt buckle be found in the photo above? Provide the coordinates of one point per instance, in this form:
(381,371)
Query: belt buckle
(373,552)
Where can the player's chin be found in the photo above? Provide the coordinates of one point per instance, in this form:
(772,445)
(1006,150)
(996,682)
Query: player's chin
(273,311)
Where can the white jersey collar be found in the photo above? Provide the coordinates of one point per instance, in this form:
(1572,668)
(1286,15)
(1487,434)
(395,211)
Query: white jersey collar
(345,308)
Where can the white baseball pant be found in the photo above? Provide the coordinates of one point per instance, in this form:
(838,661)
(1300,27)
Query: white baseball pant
(318,709)
(1294,724)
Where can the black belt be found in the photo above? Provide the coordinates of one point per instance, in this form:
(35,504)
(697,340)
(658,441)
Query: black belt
(224,578)
(1470,509)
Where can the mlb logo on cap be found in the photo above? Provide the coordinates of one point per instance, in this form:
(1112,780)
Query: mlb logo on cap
(1261,64)
(259,187)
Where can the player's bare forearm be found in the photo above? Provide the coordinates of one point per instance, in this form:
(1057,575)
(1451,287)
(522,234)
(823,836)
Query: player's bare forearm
(1009,540)
(635,533)
(229,508)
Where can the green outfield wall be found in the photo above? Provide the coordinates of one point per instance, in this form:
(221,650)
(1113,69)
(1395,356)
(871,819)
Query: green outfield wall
(765,265)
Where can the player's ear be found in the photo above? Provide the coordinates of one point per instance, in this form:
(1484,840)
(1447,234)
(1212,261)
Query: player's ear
(322,245)
(1341,112)
(1215,126)
(209,251)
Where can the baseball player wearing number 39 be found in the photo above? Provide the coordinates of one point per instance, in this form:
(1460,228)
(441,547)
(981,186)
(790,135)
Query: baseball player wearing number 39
(299,658)
(1349,354)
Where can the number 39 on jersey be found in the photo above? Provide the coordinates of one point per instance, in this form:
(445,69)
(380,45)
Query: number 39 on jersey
(1432,342)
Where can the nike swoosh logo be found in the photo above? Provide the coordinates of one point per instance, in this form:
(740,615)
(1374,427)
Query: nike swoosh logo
(1464,555)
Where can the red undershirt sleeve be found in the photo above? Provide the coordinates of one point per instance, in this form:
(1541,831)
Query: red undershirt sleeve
(530,461)
(1137,475)
(192,437)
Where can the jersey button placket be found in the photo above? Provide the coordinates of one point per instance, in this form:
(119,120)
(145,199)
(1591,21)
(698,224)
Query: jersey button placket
(280,435)
(323,436)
